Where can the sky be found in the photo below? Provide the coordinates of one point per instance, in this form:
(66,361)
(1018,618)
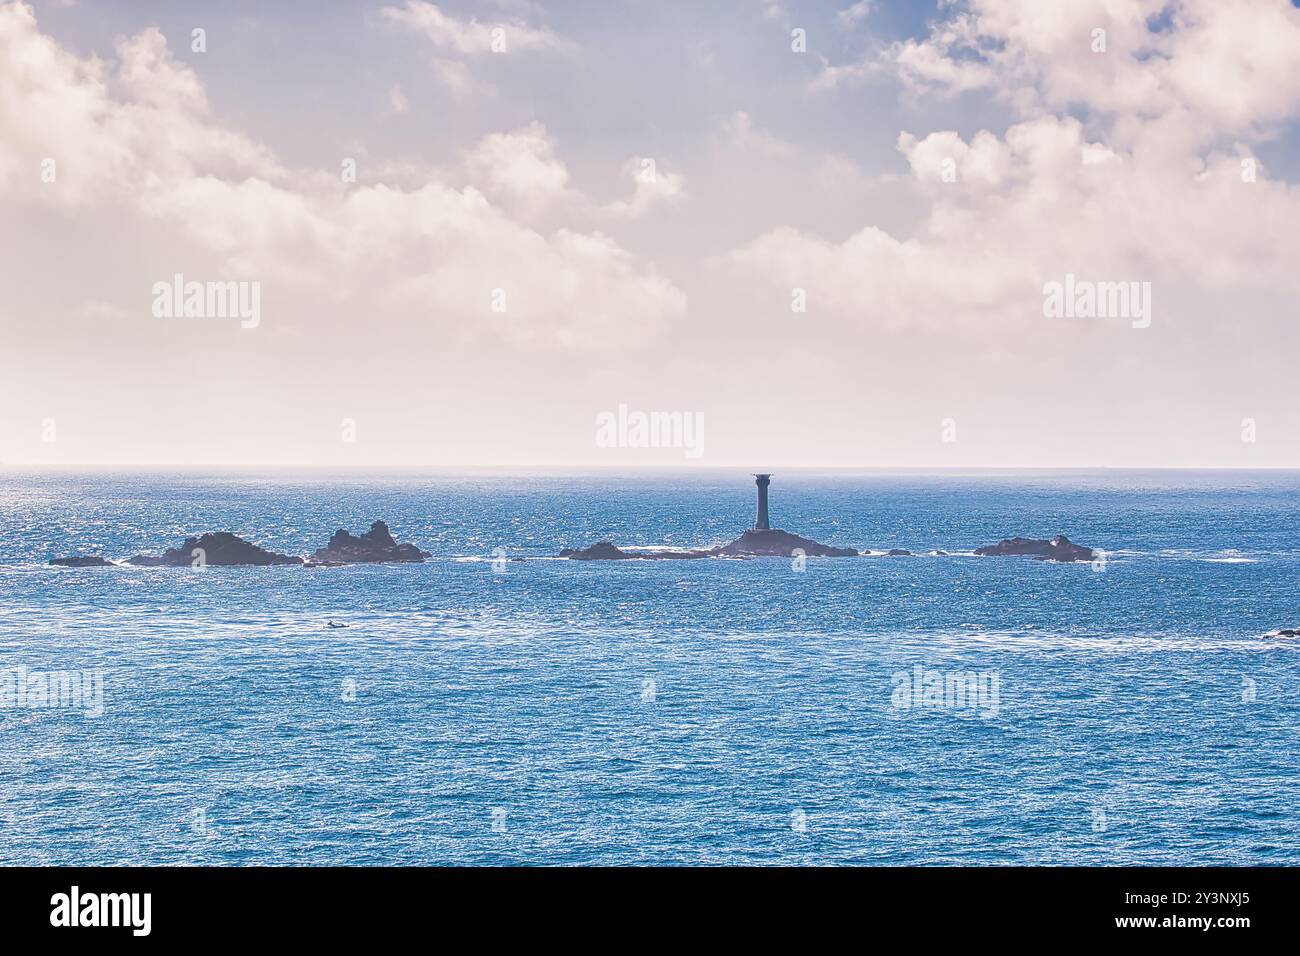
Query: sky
(822,234)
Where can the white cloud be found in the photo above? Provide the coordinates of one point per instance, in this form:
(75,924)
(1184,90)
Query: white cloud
(457,41)
(520,165)
(856,13)
(1027,208)
(983,160)
(1230,65)
(140,141)
(109,133)
(397,101)
(521,169)
(455,76)
(652,186)
(470,37)
(1153,192)
(740,132)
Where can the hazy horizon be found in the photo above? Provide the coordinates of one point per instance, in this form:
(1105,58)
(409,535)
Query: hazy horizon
(994,234)
(560,469)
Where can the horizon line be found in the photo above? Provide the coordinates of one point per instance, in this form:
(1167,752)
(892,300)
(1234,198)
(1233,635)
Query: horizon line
(678,467)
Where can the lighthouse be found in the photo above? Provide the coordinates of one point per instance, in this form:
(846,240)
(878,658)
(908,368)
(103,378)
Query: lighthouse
(760,523)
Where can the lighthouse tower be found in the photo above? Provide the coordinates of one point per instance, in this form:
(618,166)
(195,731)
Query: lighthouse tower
(760,523)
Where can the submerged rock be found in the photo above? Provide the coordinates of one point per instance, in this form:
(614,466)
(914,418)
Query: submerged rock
(83,561)
(373,547)
(1284,632)
(1059,548)
(897,553)
(218,549)
(763,542)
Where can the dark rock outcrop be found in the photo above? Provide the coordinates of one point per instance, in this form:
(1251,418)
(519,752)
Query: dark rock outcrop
(754,543)
(83,561)
(1284,632)
(1059,548)
(897,553)
(606,551)
(218,549)
(373,547)
(600,551)
(773,543)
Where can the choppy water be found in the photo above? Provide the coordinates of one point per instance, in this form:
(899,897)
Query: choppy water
(684,711)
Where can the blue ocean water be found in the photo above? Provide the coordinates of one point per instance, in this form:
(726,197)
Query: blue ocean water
(710,711)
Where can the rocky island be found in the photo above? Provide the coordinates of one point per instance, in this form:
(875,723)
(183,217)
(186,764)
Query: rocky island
(772,542)
(375,546)
(1059,548)
(224,549)
(759,541)
(217,549)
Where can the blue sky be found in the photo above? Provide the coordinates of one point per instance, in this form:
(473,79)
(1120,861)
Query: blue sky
(824,171)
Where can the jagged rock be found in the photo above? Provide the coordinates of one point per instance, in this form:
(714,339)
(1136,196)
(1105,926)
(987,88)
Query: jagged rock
(373,547)
(1284,632)
(770,542)
(83,561)
(1059,548)
(218,549)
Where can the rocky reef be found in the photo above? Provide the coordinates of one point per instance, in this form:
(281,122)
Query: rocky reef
(1059,548)
(754,543)
(375,546)
(1284,632)
(607,551)
(83,561)
(217,549)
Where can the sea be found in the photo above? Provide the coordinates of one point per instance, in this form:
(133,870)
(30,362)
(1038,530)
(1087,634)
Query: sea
(497,705)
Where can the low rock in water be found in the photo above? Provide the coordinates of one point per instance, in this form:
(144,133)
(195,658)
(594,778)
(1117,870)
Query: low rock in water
(1059,548)
(83,561)
(217,549)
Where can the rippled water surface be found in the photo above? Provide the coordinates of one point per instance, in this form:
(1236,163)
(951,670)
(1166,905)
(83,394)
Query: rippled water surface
(710,711)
